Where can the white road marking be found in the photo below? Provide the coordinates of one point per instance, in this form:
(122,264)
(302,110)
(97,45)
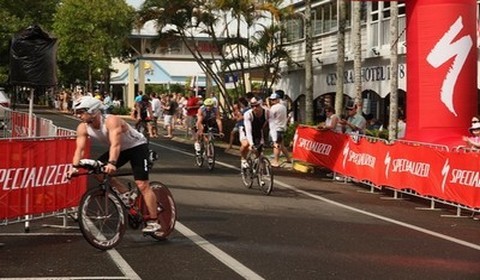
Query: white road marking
(220,255)
(353,209)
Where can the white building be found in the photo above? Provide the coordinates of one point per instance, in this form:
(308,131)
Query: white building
(375,53)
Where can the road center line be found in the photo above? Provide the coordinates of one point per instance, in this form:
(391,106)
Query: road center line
(220,255)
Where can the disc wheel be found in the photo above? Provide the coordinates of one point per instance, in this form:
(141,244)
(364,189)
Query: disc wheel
(166,210)
(102,219)
(265,176)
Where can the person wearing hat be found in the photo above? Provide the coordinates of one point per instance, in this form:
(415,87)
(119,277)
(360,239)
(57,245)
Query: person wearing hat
(355,122)
(474,140)
(254,121)
(278,125)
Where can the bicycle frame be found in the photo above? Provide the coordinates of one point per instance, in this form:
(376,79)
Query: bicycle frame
(103,214)
(259,167)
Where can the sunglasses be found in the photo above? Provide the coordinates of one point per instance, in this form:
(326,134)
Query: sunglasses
(80,112)
(254,106)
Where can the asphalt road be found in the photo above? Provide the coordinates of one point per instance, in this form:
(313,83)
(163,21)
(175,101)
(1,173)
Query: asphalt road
(309,228)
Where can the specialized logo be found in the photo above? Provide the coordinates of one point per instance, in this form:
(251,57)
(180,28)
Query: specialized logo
(445,171)
(345,154)
(387,162)
(443,51)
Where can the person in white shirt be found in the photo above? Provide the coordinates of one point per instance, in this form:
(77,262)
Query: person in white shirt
(278,125)
(332,122)
(156,112)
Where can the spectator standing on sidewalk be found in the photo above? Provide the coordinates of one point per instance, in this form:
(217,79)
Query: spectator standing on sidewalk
(193,103)
(355,122)
(332,122)
(278,126)
(156,111)
(473,141)
(169,109)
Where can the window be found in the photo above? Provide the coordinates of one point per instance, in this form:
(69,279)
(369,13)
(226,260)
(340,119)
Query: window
(294,29)
(325,18)
(380,23)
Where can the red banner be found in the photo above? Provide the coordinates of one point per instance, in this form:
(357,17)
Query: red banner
(450,176)
(442,69)
(33,176)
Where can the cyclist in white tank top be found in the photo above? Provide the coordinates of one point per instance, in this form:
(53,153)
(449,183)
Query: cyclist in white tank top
(128,139)
(125,145)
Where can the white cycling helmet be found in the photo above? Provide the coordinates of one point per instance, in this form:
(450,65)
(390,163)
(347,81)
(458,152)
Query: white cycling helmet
(90,104)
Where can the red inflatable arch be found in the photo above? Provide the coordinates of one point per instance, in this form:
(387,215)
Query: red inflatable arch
(442,69)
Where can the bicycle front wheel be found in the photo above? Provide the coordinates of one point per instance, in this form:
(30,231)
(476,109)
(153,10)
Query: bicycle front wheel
(102,219)
(265,176)
(199,156)
(247,175)
(211,155)
(166,210)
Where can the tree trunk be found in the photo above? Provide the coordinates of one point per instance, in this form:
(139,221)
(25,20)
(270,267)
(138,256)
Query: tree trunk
(308,64)
(357,53)
(392,126)
(342,19)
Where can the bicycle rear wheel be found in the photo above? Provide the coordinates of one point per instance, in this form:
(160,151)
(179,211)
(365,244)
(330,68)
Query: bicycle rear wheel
(102,218)
(166,210)
(265,176)
(247,175)
(210,155)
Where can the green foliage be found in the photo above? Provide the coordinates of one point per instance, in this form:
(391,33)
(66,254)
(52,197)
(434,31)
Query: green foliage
(290,133)
(92,32)
(121,111)
(377,133)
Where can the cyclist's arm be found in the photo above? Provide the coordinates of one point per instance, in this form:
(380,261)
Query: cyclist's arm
(247,123)
(114,127)
(81,143)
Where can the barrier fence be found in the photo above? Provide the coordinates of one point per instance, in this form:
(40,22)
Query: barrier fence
(33,170)
(425,170)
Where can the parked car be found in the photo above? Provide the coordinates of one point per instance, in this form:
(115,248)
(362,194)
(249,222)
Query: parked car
(4,105)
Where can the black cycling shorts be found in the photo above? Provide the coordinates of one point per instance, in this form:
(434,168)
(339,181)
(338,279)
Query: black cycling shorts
(138,158)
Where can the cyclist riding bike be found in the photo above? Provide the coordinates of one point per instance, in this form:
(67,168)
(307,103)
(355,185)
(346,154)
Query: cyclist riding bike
(125,145)
(251,134)
(144,107)
(207,116)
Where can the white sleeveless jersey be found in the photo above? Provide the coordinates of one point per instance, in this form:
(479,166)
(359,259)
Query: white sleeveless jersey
(129,139)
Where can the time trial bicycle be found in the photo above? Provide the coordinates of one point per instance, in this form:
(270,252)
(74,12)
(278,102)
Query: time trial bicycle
(259,168)
(103,215)
(207,149)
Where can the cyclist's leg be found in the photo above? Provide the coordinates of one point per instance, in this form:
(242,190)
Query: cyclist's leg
(139,161)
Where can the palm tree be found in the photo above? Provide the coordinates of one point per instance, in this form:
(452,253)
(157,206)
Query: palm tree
(393,121)
(308,63)
(357,52)
(342,20)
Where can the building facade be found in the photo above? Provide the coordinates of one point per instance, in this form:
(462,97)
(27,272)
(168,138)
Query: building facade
(375,53)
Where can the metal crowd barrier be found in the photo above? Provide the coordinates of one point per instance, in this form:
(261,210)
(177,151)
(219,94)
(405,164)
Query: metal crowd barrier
(17,125)
(398,194)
